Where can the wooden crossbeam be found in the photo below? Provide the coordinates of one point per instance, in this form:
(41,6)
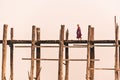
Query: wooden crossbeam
(80,46)
(104,69)
(74,46)
(44,59)
(57,41)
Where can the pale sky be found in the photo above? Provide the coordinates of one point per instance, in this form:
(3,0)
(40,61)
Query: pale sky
(49,15)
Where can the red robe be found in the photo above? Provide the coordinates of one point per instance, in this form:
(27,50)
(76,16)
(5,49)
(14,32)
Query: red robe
(79,35)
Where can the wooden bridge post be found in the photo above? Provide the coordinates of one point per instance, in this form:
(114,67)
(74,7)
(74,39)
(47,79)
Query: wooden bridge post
(11,55)
(60,62)
(90,54)
(32,53)
(38,55)
(4,51)
(116,51)
(67,57)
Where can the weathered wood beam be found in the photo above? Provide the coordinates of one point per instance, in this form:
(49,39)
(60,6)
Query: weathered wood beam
(104,69)
(38,55)
(44,59)
(11,55)
(32,53)
(88,54)
(92,53)
(57,41)
(74,46)
(67,57)
(116,51)
(60,62)
(4,52)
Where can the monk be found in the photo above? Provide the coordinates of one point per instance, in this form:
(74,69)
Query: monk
(79,35)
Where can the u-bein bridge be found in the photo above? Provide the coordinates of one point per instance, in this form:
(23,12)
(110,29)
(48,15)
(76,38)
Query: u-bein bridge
(36,46)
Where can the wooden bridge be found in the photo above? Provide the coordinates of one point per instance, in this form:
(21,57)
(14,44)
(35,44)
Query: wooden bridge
(63,43)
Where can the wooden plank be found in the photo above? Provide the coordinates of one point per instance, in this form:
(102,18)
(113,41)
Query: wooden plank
(57,41)
(95,41)
(67,57)
(60,62)
(11,56)
(32,53)
(4,52)
(38,55)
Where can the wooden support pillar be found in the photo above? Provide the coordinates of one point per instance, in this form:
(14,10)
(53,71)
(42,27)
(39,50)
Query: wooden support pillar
(116,51)
(4,52)
(90,37)
(38,55)
(92,54)
(119,59)
(60,62)
(67,57)
(32,53)
(11,56)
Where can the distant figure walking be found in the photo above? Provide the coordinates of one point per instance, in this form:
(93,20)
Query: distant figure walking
(79,35)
